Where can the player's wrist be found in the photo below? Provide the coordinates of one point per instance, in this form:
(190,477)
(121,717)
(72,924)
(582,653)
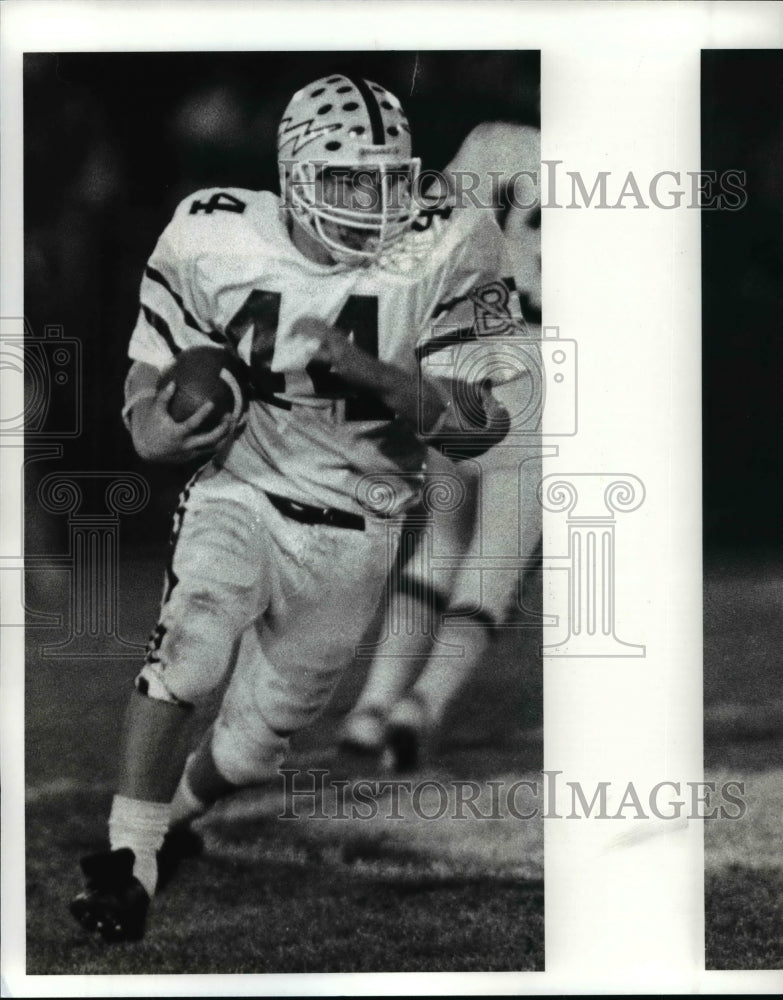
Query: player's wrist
(150,439)
(137,414)
(435,408)
(471,418)
(419,405)
(438,420)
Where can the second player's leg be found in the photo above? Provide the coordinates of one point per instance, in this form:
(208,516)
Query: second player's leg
(417,594)
(502,549)
(504,539)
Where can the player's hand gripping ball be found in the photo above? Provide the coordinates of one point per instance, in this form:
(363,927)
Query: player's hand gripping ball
(205,375)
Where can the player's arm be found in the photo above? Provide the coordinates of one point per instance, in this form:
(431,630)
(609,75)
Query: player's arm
(174,315)
(157,437)
(499,164)
(478,417)
(475,341)
(427,405)
(433,407)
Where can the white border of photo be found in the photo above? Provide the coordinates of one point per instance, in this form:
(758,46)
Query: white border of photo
(620,93)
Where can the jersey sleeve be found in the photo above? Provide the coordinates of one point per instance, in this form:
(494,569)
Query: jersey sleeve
(174,306)
(475,329)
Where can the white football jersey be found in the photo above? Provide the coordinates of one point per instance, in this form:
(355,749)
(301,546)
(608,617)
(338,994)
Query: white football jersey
(226,272)
(507,158)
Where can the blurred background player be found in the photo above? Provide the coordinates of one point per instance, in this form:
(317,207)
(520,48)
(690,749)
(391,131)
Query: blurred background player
(280,551)
(397,711)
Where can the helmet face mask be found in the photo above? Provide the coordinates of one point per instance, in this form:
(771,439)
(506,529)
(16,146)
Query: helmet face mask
(352,184)
(355,214)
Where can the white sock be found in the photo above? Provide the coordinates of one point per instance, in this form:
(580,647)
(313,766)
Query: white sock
(141,826)
(186,805)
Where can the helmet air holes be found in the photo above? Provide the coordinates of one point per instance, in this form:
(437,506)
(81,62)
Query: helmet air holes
(334,119)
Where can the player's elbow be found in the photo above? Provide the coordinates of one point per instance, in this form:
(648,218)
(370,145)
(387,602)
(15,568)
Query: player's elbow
(142,449)
(472,431)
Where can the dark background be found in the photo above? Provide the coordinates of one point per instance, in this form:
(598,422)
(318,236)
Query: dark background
(742,271)
(742,307)
(113,141)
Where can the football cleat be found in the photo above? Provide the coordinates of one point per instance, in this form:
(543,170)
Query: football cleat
(348,128)
(180,844)
(114,903)
(363,732)
(406,731)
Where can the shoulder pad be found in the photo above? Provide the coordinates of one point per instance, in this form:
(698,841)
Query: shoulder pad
(208,218)
(442,234)
(210,201)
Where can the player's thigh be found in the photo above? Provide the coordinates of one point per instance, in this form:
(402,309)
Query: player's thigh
(505,539)
(245,746)
(220,577)
(309,636)
(438,533)
(508,513)
(451,497)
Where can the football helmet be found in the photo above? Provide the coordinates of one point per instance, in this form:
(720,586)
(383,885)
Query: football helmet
(352,129)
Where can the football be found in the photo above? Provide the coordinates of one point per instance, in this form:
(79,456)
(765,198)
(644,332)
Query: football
(201,375)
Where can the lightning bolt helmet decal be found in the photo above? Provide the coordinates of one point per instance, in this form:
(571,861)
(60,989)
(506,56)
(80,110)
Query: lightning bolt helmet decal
(356,125)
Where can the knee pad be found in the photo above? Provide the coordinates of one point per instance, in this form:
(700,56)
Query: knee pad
(193,649)
(246,758)
(205,638)
(150,683)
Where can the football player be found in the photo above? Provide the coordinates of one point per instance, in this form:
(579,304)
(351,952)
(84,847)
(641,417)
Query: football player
(397,712)
(335,296)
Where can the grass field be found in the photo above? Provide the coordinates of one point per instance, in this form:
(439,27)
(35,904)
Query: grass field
(271,895)
(744,742)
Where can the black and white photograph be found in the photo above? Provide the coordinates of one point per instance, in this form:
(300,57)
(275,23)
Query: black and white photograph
(392,479)
(742,302)
(299,294)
